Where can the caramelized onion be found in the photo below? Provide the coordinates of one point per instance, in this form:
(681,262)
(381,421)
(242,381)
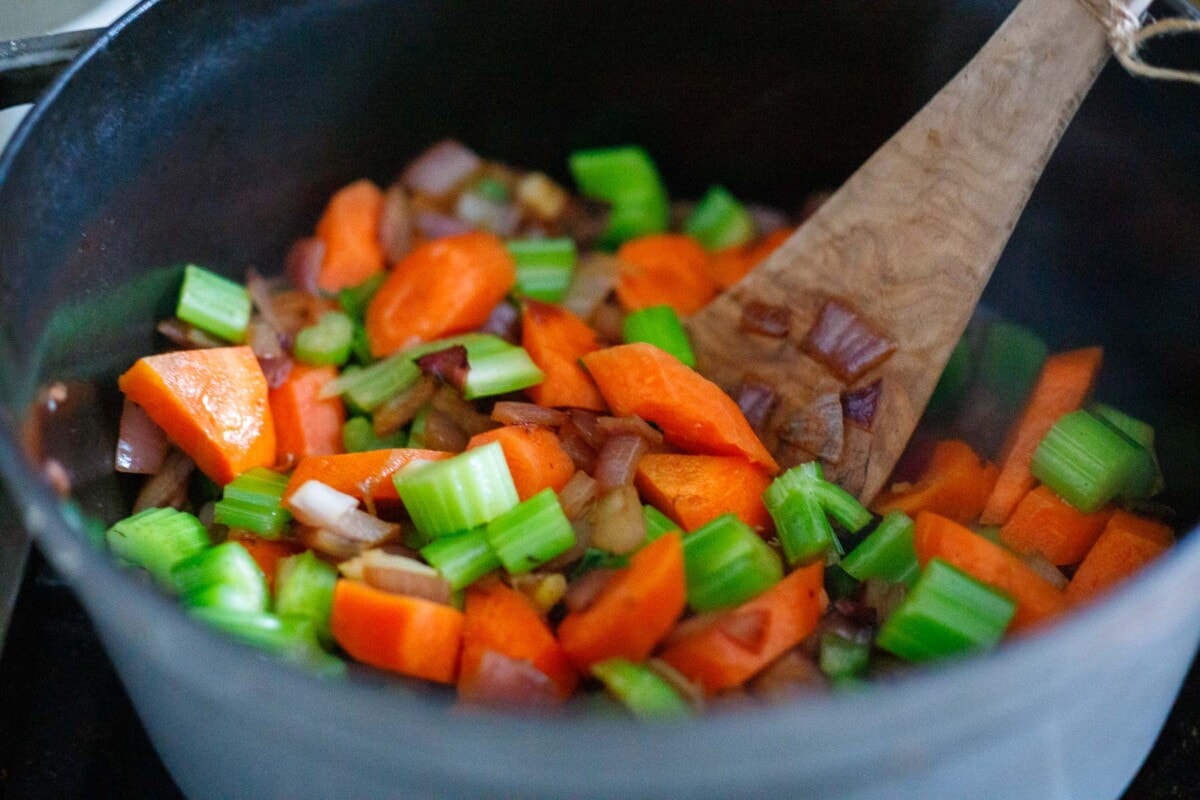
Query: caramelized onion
(542,197)
(618,459)
(507,412)
(607,320)
(766,319)
(1042,566)
(400,410)
(462,412)
(441,169)
(264,301)
(401,575)
(845,342)
(504,682)
(185,336)
(757,400)
(582,593)
(303,264)
(449,366)
(503,321)
(501,219)
(331,544)
(618,525)
(276,370)
(594,279)
(818,428)
(629,424)
(577,495)
(859,406)
(168,486)
(396,224)
(263,339)
(586,423)
(582,454)
(141,445)
(442,434)
(433,225)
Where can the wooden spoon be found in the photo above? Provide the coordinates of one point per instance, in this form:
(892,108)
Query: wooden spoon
(908,242)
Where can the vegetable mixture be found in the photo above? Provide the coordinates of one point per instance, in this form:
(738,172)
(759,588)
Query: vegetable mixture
(464,441)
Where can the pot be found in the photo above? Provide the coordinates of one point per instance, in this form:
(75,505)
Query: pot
(213,132)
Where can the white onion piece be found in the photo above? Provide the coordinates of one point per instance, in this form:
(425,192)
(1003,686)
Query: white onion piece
(320,505)
(396,224)
(141,445)
(1042,566)
(352,568)
(577,495)
(331,544)
(617,522)
(360,526)
(263,339)
(504,682)
(441,168)
(595,277)
(630,424)
(167,487)
(303,265)
(402,575)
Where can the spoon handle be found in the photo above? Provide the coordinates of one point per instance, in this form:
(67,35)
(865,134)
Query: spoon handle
(912,237)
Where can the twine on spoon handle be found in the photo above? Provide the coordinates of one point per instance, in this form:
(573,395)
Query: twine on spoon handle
(1127,35)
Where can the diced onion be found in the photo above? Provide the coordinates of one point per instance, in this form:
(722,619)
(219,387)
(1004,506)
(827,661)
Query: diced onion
(542,197)
(396,224)
(629,424)
(618,459)
(303,264)
(617,522)
(141,445)
(504,682)
(845,342)
(181,334)
(449,365)
(320,505)
(503,321)
(441,169)
(577,495)
(582,593)
(818,428)
(167,487)
(543,589)
(511,413)
(400,410)
(438,226)
(402,575)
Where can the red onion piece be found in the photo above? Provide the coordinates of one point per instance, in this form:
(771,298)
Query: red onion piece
(448,366)
(185,336)
(400,575)
(593,281)
(442,434)
(577,495)
(441,169)
(583,592)
(438,226)
(509,683)
(507,412)
(859,406)
(585,422)
(582,454)
(792,674)
(747,629)
(845,342)
(400,410)
(141,445)
(261,296)
(396,224)
(766,319)
(276,370)
(757,400)
(617,522)
(168,486)
(503,321)
(462,412)
(818,428)
(618,461)
(631,424)
(263,339)
(303,265)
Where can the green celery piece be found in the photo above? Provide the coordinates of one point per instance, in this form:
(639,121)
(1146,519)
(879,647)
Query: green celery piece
(544,267)
(457,494)
(657,523)
(254,501)
(951,388)
(1010,361)
(157,539)
(799,500)
(463,557)
(360,346)
(304,587)
(719,220)
(947,613)
(1142,434)
(840,657)
(595,558)
(726,564)
(327,342)
(1087,462)
(290,638)
(626,178)
(494,366)
(641,690)
(887,553)
(358,436)
(491,189)
(370,387)
(355,299)
(225,576)
(214,304)
(659,326)
(531,533)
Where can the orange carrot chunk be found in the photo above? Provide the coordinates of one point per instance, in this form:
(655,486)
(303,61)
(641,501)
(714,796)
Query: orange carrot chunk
(350,229)
(360,475)
(694,490)
(694,414)
(445,286)
(504,621)
(634,611)
(1063,385)
(664,269)
(408,635)
(535,457)
(1127,544)
(1045,523)
(556,339)
(738,644)
(306,425)
(956,483)
(1037,599)
(729,265)
(213,405)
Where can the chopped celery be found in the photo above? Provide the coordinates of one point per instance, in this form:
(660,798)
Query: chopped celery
(326,342)
(840,657)
(457,494)
(887,553)
(462,558)
(355,299)
(157,539)
(595,558)
(225,576)
(214,304)
(640,689)
(657,523)
(947,613)
(1143,435)
(531,533)
(304,588)
(727,564)
(370,387)
(544,267)
(626,178)
(719,220)
(659,326)
(290,638)
(253,501)
(799,500)
(358,436)
(1087,462)
(1010,361)
(494,366)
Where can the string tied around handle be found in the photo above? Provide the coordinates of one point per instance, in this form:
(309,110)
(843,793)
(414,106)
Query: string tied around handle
(1127,36)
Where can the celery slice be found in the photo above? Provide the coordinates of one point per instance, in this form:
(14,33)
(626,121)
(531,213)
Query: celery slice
(1151,482)
(225,576)
(327,342)
(659,326)
(640,689)
(457,494)
(355,299)
(214,304)
(304,587)
(799,501)
(544,267)
(358,436)
(1087,462)
(253,501)
(463,557)
(657,523)
(719,220)
(887,553)
(727,564)
(626,178)
(157,539)
(290,638)
(839,657)
(370,387)
(531,533)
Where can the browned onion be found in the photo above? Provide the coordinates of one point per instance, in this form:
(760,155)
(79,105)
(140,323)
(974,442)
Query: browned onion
(766,319)
(276,370)
(442,434)
(593,281)
(400,410)
(577,495)
(441,169)
(141,445)
(757,400)
(449,366)
(509,683)
(359,526)
(263,339)
(503,321)
(585,220)
(618,525)
(462,412)
(845,342)
(401,575)
(433,225)
(168,486)
(582,454)
(507,412)
(331,544)
(186,336)
(303,264)
(618,459)
(396,224)
(818,428)
(859,406)
(262,297)
(608,320)
(582,593)
(586,423)
(746,628)
(630,424)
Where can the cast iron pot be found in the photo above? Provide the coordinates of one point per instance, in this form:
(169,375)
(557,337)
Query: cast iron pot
(212,132)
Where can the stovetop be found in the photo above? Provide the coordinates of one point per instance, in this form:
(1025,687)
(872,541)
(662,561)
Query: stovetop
(67,729)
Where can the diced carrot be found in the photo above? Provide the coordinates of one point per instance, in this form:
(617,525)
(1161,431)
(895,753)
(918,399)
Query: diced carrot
(503,620)
(1045,523)
(634,611)
(739,643)
(1037,599)
(408,635)
(306,425)
(267,553)
(555,339)
(445,286)
(350,229)
(955,483)
(694,414)
(213,405)
(664,269)
(535,457)
(360,475)
(1063,385)
(729,265)
(1127,544)
(694,490)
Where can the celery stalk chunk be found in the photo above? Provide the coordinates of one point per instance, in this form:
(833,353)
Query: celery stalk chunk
(214,304)
(642,691)
(462,557)
(156,540)
(253,501)
(304,588)
(726,564)
(887,553)
(544,267)
(290,638)
(531,533)
(659,326)
(627,179)
(1087,462)
(457,494)
(225,576)
(719,220)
